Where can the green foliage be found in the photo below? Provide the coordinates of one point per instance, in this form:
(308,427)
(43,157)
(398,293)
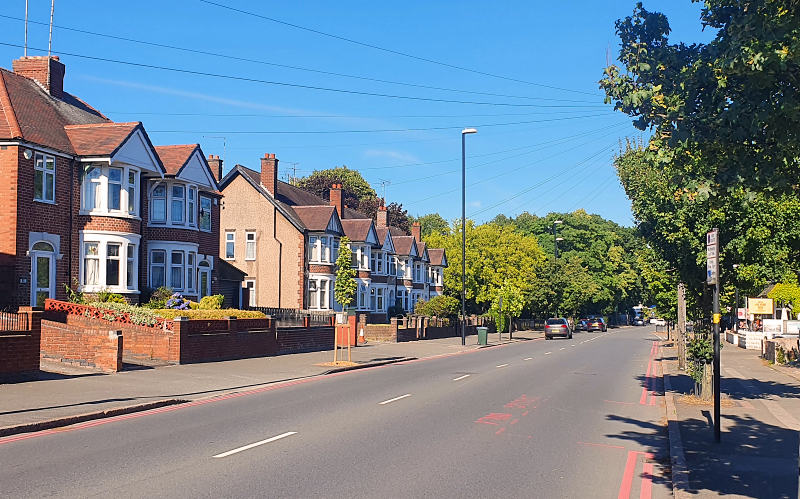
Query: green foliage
(726,114)
(115,310)
(786,293)
(508,303)
(432,223)
(780,355)
(105,296)
(354,187)
(395,214)
(213,302)
(72,295)
(169,313)
(699,351)
(158,298)
(345,287)
(438,306)
(495,256)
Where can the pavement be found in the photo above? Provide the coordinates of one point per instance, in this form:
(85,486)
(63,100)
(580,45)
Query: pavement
(758,452)
(63,395)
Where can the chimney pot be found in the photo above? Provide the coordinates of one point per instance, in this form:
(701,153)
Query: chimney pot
(382,217)
(216,166)
(335,199)
(416,231)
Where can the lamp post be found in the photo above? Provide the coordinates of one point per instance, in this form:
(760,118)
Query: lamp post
(556,239)
(464,133)
(735,317)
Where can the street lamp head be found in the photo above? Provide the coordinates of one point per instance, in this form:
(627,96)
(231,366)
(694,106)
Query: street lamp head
(468,130)
(559,239)
(735,265)
(558,221)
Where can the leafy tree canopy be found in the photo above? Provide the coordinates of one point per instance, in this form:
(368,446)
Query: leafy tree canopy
(432,223)
(726,114)
(354,187)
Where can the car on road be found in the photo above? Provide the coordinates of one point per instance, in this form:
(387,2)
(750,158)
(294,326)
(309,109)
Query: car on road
(597,324)
(557,326)
(638,321)
(582,325)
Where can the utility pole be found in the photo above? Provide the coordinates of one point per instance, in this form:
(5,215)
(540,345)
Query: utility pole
(712,279)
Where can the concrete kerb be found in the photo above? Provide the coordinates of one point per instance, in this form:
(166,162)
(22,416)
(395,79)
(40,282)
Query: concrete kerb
(680,471)
(81,418)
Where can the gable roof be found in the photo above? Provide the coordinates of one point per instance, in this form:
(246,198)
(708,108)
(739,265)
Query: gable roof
(253,178)
(405,245)
(177,158)
(423,251)
(360,230)
(319,218)
(30,113)
(385,239)
(99,139)
(438,257)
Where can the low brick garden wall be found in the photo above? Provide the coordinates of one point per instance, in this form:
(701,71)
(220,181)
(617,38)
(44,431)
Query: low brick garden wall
(19,342)
(301,339)
(95,347)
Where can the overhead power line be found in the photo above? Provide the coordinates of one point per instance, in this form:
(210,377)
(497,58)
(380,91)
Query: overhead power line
(392,51)
(297,85)
(384,130)
(289,66)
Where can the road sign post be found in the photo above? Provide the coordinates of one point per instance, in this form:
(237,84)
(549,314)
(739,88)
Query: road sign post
(712,279)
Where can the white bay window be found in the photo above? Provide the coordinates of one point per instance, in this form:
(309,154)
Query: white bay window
(109,261)
(110,190)
(176,204)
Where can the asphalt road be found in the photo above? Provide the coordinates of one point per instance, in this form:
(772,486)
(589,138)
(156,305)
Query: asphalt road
(559,418)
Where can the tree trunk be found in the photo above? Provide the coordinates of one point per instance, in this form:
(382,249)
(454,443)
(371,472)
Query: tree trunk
(681,337)
(704,389)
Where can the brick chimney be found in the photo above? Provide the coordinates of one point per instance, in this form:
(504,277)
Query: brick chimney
(47,71)
(382,217)
(335,199)
(416,231)
(269,173)
(216,166)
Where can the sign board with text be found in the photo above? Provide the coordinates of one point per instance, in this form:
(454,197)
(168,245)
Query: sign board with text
(762,306)
(712,257)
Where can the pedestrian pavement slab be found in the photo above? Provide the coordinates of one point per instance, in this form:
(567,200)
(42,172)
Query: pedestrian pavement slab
(56,399)
(758,452)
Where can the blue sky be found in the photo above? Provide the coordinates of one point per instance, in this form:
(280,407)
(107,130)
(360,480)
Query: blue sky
(538,149)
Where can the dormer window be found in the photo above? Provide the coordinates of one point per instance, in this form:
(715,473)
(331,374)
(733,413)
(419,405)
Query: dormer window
(110,190)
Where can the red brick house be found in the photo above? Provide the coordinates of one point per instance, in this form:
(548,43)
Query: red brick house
(74,205)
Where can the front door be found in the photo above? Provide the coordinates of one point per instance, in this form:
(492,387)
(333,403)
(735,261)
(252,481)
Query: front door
(203,280)
(43,284)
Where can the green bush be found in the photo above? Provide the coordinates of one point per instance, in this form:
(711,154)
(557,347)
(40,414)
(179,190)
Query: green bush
(105,296)
(780,355)
(213,302)
(439,306)
(169,313)
(158,297)
(72,295)
(113,311)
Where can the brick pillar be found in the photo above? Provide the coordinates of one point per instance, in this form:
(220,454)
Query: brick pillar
(180,329)
(233,326)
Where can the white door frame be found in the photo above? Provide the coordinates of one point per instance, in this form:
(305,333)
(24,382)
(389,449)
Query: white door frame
(51,257)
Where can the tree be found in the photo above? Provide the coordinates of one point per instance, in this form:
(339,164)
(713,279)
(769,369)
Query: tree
(726,114)
(345,287)
(395,214)
(786,293)
(432,223)
(354,187)
(439,306)
(508,303)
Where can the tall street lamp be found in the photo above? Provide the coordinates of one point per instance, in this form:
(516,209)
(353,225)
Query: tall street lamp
(735,315)
(464,133)
(556,239)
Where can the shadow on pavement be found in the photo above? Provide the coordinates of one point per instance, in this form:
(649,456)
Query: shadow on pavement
(43,376)
(651,435)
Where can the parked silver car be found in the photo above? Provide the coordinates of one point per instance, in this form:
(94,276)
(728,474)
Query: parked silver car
(557,327)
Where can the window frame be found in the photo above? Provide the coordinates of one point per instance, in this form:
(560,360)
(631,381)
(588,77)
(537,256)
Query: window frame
(125,263)
(99,190)
(201,219)
(232,242)
(248,243)
(44,171)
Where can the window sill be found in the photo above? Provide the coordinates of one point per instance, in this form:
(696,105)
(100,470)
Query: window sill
(250,259)
(112,289)
(166,225)
(44,201)
(109,214)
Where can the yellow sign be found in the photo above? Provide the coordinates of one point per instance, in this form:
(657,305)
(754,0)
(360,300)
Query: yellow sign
(717,318)
(761,306)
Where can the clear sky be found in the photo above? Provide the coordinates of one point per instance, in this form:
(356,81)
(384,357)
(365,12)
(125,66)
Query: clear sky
(544,143)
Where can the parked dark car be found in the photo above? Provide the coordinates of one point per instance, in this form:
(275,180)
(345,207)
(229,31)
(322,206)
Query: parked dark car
(582,325)
(557,327)
(597,324)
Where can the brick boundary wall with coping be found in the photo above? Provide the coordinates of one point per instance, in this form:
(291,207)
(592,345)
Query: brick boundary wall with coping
(19,350)
(301,339)
(94,347)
